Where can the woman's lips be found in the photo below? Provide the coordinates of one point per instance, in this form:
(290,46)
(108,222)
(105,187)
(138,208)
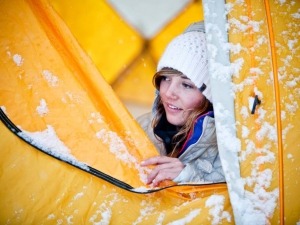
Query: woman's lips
(172,108)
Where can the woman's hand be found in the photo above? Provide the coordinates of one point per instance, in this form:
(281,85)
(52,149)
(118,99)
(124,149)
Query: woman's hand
(166,168)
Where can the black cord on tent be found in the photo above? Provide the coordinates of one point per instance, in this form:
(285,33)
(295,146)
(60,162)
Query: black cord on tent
(17,131)
(255,103)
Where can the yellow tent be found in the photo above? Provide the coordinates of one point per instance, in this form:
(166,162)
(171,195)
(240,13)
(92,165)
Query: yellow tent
(71,152)
(122,48)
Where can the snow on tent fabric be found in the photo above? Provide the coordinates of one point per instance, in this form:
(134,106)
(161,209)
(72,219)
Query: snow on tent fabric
(53,100)
(56,102)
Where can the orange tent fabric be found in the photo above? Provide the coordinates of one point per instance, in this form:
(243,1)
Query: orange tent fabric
(70,149)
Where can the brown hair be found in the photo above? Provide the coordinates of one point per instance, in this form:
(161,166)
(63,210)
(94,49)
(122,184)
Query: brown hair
(181,136)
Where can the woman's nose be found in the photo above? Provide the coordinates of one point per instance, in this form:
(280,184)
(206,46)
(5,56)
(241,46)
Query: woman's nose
(171,91)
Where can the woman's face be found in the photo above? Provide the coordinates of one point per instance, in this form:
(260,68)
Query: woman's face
(179,96)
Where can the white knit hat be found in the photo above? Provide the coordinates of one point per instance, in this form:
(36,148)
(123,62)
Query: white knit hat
(187,53)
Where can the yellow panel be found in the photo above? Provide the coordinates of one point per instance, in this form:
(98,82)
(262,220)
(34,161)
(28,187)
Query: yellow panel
(102,33)
(48,77)
(135,85)
(286,25)
(192,13)
(265,42)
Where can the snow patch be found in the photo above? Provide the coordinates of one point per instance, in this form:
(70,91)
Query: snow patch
(119,149)
(42,109)
(116,146)
(290,156)
(51,217)
(296,15)
(245,112)
(146,209)
(216,205)
(292,43)
(187,219)
(96,117)
(256,71)
(50,78)
(245,132)
(49,142)
(105,210)
(18,60)
(78,195)
(266,131)
(3,108)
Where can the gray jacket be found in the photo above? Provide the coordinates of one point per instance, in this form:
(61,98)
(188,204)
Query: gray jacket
(201,159)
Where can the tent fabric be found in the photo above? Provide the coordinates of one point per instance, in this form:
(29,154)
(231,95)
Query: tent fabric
(126,57)
(263,52)
(53,100)
(35,189)
(70,151)
(271,62)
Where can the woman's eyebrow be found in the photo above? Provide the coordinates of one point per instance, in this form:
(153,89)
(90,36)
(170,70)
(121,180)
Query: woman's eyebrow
(184,77)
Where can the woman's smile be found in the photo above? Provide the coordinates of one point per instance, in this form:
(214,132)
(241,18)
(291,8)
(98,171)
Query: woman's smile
(172,107)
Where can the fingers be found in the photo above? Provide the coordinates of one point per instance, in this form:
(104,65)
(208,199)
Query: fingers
(156,176)
(159,173)
(166,168)
(157,160)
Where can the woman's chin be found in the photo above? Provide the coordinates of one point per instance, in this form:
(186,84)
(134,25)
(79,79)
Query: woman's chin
(176,120)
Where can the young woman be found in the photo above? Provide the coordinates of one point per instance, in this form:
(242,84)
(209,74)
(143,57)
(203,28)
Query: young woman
(182,122)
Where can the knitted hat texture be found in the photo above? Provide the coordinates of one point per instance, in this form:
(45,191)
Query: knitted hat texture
(187,53)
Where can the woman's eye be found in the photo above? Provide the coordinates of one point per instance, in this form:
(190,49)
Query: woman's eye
(165,78)
(189,86)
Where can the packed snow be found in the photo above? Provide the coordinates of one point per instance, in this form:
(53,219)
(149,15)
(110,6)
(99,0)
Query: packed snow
(55,147)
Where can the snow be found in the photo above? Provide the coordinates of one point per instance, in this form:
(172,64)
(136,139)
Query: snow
(267,131)
(253,198)
(292,107)
(281,2)
(55,147)
(160,219)
(50,78)
(104,211)
(296,15)
(291,44)
(245,111)
(142,189)
(18,60)
(51,216)
(216,205)
(187,219)
(147,208)
(235,48)
(42,109)
(3,108)
(78,195)
(250,102)
(256,70)
(95,117)
(225,138)
(117,147)
(258,201)
(245,132)
(292,83)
